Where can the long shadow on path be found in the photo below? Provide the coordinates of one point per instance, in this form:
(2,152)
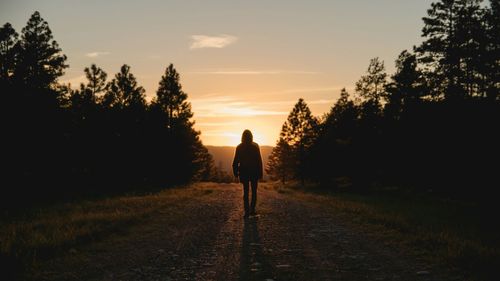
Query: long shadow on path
(253,262)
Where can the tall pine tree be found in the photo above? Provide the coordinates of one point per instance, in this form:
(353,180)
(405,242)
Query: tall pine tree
(407,86)
(40,61)
(8,40)
(123,91)
(172,100)
(181,141)
(492,57)
(280,162)
(453,53)
(299,131)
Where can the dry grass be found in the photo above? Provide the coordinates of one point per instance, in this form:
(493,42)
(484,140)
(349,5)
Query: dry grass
(46,232)
(456,234)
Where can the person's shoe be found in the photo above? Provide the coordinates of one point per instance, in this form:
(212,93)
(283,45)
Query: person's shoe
(253,213)
(246,216)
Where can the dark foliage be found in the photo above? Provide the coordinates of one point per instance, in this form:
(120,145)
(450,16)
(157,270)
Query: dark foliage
(101,138)
(432,125)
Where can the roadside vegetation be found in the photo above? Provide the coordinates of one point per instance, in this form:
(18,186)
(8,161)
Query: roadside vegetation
(44,233)
(460,234)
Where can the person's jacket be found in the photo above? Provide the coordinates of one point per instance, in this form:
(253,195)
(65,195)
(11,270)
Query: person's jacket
(247,163)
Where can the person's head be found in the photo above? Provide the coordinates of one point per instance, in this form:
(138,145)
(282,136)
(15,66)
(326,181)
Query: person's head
(247,137)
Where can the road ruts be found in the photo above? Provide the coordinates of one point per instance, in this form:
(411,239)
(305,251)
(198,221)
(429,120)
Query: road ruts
(293,237)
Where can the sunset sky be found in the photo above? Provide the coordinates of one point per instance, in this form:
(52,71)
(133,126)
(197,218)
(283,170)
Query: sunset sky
(243,63)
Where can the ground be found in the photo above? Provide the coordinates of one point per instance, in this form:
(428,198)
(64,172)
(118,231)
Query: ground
(293,237)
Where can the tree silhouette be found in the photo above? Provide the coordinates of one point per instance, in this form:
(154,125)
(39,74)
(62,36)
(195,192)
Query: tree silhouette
(85,99)
(96,78)
(8,40)
(280,163)
(335,141)
(342,117)
(180,141)
(453,51)
(300,126)
(371,86)
(407,86)
(123,91)
(492,57)
(471,36)
(431,126)
(99,138)
(172,100)
(40,61)
(299,132)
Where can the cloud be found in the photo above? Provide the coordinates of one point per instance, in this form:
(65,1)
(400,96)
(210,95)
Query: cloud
(252,72)
(220,133)
(215,124)
(205,41)
(311,90)
(75,81)
(225,106)
(96,54)
(322,101)
(154,57)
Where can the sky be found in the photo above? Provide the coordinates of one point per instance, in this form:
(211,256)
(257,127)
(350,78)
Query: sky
(243,64)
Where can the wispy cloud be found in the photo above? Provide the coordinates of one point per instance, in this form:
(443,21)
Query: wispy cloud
(205,41)
(215,124)
(220,133)
(322,101)
(311,90)
(225,106)
(252,72)
(154,57)
(96,54)
(74,81)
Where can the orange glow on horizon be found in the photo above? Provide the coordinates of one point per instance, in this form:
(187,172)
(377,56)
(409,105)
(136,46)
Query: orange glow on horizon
(232,136)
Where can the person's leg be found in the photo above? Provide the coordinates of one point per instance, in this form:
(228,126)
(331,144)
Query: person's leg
(245,197)
(254,184)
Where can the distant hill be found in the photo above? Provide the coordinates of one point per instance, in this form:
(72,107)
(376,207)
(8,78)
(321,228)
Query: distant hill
(223,156)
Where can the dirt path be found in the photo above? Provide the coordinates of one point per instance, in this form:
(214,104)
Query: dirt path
(291,239)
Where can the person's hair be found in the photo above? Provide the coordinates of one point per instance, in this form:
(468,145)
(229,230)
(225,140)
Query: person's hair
(247,137)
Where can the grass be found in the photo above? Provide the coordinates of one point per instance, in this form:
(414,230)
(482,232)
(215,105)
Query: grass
(44,233)
(458,234)
(454,233)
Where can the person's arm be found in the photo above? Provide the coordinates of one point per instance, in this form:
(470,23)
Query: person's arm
(236,162)
(261,172)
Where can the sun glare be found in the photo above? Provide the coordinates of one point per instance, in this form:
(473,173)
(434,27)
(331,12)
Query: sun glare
(234,138)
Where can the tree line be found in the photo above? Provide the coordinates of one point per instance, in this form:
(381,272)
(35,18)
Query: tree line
(433,124)
(101,137)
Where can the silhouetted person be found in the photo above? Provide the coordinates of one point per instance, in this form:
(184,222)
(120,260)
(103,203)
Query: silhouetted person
(247,166)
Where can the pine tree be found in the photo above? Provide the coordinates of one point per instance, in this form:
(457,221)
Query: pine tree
(370,89)
(84,100)
(342,116)
(8,40)
(371,86)
(279,165)
(172,116)
(299,132)
(407,86)
(96,78)
(453,52)
(471,38)
(40,61)
(439,51)
(492,44)
(172,100)
(300,127)
(123,91)
(333,145)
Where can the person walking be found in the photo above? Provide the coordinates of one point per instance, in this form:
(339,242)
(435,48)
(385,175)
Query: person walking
(247,166)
